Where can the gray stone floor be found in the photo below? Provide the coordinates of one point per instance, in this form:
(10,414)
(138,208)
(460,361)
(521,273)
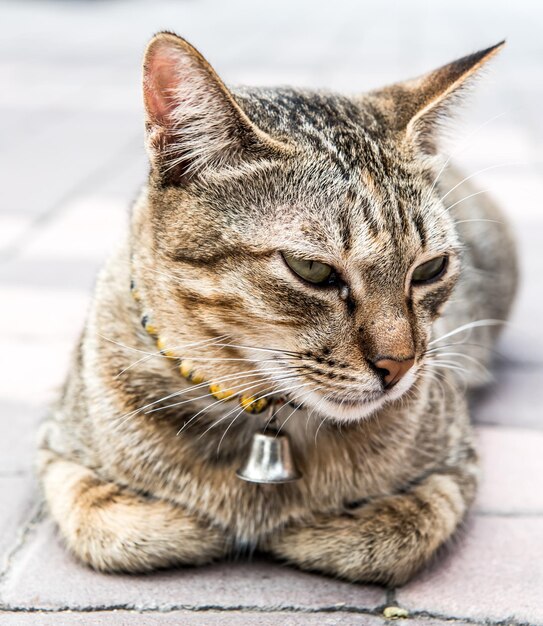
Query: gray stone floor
(71,160)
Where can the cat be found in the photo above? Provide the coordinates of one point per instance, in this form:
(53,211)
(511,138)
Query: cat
(300,250)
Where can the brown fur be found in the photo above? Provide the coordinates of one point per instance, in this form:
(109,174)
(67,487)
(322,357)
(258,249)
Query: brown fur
(237,176)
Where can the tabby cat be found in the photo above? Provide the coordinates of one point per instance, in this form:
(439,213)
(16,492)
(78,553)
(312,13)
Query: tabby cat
(294,249)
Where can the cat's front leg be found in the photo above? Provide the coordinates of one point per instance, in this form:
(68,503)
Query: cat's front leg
(385,541)
(113,529)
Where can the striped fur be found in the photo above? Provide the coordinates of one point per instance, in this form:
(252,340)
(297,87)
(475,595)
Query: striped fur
(138,468)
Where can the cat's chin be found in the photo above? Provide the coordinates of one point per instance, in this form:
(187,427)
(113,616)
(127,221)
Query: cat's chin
(349,409)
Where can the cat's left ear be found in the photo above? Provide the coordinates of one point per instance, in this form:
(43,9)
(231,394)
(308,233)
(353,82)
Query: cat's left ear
(417,106)
(193,121)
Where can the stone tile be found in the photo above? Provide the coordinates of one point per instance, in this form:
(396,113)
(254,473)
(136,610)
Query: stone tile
(87,228)
(107,139)
(72,117)
(84,225)
(207,618)
(187,618)
(130,175)
(11,227)
(501,139)
(259,584)
(512,466)
(34,370)
(25,279)
(17,506)
(518,346)
(514,398)
(517,186)
(493,574)
(525,342)
(18,442)
(32,310)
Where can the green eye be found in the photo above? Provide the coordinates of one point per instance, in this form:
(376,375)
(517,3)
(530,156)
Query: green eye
(313,271)
(429,271)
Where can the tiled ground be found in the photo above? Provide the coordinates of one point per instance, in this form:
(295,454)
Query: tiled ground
(71,159)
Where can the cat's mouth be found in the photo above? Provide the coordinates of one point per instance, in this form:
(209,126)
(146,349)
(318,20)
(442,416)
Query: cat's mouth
(356,401)
(345,408)
(353,406)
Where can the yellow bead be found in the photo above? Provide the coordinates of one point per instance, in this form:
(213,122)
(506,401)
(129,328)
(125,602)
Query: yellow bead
(135,293)
(252,404)
(150,328)
(218,392)
(187,370)
(196,377)
(161,345)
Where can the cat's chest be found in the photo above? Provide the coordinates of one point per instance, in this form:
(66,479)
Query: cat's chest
(337,467)
(332,476)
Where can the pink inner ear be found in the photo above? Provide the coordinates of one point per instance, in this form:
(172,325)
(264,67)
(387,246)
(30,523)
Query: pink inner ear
(160,84)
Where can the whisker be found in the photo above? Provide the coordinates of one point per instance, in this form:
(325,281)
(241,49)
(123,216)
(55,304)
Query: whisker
(248,373)
(223,400)
(224,379)
(296,408)
(468,326)
(464,356)
(228,428)
(484,169)
(271,393)
(470,344)
(451,367)
(159,353)
(471,195)
(478,219)
(466,142)
(440,377)
(287,352)
(318,429)
(433,375)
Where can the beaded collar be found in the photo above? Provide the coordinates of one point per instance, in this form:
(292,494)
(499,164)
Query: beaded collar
(250,403)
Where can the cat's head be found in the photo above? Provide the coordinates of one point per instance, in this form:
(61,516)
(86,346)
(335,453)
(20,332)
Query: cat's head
(303,228)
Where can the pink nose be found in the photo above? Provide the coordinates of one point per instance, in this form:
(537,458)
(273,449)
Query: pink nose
(392,370)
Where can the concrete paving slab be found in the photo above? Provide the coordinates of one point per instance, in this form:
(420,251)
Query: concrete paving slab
(514,398)
(36,372)
(11,228)
(208,618)
(46,278)
(512,467)
(42,298)
(45,576)
(71,162)
(494,574)
(89,228)
(18,441)
(83,149)
(18,499)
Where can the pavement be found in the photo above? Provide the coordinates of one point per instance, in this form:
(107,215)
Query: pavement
(71,161)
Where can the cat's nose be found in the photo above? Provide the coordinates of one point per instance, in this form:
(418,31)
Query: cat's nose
(392,370)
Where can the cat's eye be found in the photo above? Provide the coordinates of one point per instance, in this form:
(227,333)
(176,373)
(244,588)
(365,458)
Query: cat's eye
(313,271)
(429,271)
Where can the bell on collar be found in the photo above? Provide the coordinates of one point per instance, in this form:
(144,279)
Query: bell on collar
(270,460)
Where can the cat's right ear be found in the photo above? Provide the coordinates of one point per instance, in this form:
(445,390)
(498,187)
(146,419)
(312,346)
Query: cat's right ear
(417,107)
(193,122)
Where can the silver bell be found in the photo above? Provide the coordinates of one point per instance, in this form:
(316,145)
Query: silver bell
(270,460)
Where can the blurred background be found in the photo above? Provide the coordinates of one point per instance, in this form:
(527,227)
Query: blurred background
(72,157)
(71,138)
(71,163)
